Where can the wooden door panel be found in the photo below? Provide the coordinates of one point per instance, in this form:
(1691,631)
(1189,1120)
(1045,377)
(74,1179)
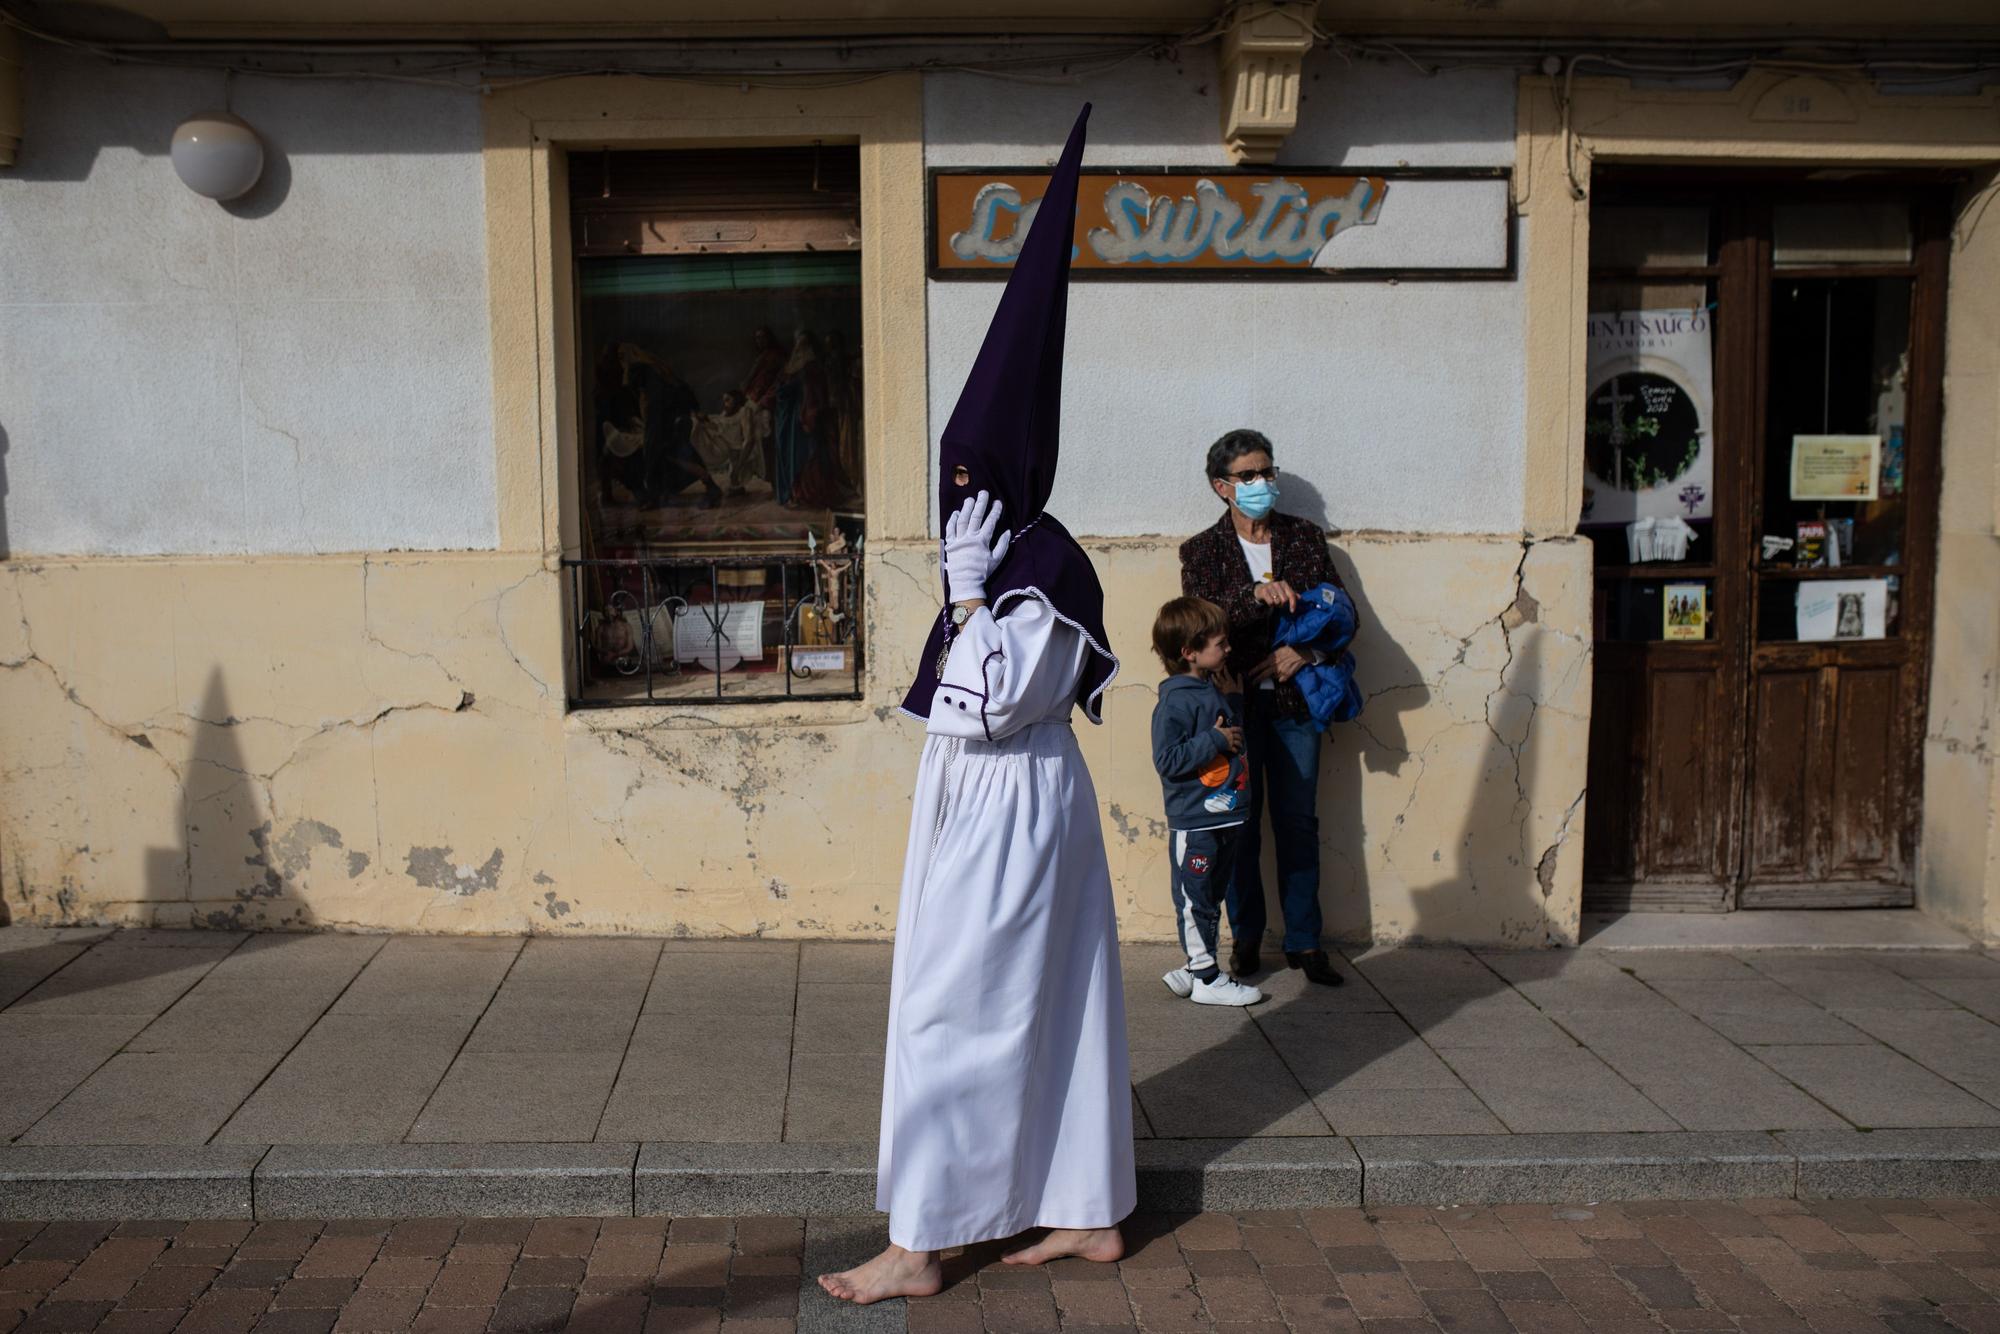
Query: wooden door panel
(1864,813)
(1682,835)
(1781,775)
(1611,829)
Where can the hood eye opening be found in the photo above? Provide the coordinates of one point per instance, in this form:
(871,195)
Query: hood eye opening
(960,477)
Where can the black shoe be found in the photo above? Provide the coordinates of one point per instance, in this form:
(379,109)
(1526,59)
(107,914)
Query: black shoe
(1318,969)
(1243,960)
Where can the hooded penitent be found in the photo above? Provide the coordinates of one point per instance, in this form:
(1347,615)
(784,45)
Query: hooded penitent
(1005,433)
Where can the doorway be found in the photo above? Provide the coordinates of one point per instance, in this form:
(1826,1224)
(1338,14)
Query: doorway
(1760,492)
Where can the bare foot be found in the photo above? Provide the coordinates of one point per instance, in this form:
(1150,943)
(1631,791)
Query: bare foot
(1102,1244)
(894,1273)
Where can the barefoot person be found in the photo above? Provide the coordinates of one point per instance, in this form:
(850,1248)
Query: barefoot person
(1006,1097)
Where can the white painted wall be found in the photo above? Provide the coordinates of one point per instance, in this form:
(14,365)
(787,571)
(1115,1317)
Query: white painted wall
(1392,407)
(304,370)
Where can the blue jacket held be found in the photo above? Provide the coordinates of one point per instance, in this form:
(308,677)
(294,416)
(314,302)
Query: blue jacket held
(1324,620)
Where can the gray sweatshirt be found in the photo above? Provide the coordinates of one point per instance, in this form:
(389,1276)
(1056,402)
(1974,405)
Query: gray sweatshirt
(1205,787)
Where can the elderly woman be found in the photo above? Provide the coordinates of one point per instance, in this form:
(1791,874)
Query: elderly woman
(1253,563)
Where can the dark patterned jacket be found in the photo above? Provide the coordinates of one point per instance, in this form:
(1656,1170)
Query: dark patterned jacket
(1213,567)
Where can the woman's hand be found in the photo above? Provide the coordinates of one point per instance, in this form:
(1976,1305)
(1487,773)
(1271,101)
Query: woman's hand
(1278,593)
(1283,664)
(1228,682)
(1232,737)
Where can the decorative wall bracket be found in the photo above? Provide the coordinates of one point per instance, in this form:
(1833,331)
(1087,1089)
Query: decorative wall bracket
(1264,43)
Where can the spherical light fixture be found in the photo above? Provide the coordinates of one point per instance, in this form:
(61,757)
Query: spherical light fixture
(217,155)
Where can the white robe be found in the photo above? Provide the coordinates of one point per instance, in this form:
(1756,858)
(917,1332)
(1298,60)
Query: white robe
(1006,1096)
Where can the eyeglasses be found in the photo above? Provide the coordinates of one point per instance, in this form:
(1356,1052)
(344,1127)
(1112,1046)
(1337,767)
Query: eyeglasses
(1254,474)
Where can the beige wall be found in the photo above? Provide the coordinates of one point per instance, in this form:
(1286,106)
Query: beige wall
(378,742)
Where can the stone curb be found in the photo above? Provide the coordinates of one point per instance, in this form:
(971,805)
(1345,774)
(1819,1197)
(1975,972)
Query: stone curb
(446,1180)
(617,1180)
(140,1181)
(1523,1169)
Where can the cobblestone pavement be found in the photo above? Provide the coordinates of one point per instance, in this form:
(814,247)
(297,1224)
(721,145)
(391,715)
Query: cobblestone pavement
(1760,1266)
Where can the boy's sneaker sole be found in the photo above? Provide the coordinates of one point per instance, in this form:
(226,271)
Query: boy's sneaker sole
(1179,982)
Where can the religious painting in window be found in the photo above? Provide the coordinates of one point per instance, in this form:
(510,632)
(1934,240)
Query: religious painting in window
(720,431)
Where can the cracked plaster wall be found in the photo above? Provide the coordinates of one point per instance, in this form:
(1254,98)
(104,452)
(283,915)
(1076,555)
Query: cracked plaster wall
(380,743)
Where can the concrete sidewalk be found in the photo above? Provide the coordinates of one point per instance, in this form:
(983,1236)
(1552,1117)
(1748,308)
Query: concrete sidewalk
(190,1074)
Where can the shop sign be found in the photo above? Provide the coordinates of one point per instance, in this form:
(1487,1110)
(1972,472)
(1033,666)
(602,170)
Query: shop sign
(1230,223)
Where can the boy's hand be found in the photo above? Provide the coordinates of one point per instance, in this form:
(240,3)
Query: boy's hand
(1232,737)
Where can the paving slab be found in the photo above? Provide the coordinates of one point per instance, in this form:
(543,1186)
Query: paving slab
(833,1099)
(571,1023)
(24,965)
(1874,1087)
(45,1056)
(842,1017)
(834,961)
(434,1180)
(129,980)
(723,980)
(519,1098)
(1357,1051)
(1235,1090)
(180,1181)
(1978,994)
(1845,982)
(352,1079)
(1554,1090)
(267,1020)
(1441,1169)
(1567,980)
(1695,1075)
(430,975)
(695,1087)
(1400,1111)
(1503,1021)
(1957,1044)
(1757,1010)
(706,1179)
(154,1098)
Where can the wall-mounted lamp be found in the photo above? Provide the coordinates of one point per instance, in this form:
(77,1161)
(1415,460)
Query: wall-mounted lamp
(217,154)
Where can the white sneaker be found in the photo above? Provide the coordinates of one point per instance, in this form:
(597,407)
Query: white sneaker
(1179,982)
(1225,990)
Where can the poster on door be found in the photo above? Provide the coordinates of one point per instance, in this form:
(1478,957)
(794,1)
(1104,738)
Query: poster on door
(1648,436)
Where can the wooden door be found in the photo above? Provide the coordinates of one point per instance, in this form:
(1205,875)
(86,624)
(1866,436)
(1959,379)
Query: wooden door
(1735,763)
(1853,286)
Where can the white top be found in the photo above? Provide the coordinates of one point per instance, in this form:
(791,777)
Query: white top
(1259,556)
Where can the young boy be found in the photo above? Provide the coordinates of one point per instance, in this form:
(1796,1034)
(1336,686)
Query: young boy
(1198,750)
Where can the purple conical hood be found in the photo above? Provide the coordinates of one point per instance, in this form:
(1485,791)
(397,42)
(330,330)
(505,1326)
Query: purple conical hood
(1005,432)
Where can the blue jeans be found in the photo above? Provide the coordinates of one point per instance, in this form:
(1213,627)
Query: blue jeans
(1284,773)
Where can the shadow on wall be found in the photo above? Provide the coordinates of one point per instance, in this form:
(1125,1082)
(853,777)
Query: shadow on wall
(224,814)
(1218,1079)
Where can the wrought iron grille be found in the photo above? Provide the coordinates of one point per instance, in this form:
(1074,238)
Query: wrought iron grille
(738,629)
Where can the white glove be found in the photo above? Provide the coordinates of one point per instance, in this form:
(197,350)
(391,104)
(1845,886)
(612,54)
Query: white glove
(970,553)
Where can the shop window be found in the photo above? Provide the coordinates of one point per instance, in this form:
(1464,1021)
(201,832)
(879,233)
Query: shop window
(718,328)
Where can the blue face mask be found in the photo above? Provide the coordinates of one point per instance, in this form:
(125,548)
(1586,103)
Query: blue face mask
(1256,498)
